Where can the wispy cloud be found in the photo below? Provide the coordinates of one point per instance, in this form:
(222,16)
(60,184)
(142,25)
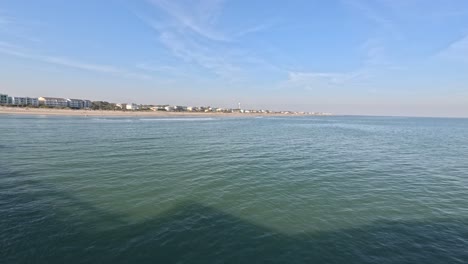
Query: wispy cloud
(155,68)
(191,33)
(426,10)
(455,51)
(11,27)
(193,52)
(79,65)
(374,53)
(253,29)
(162,71)
(374,61)
(11,49)
(5,20)
(321,80)
(199,17)
(371,13)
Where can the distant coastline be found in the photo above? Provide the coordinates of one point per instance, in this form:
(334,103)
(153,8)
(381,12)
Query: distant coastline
(4,110)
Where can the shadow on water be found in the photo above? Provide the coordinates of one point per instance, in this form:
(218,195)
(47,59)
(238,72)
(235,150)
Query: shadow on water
(193,233)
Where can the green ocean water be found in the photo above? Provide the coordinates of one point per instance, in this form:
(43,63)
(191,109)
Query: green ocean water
(233,190)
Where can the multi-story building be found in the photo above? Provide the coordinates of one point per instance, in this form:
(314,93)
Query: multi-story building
(180,108)
(23,101)
(87,104)
(79,103)
(75,103)
(132,107)
(15,100)
(32,101)
(160,108)
(53,101)
(3,99)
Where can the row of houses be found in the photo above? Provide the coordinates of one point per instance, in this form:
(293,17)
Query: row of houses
(204,109)
(16,100)
(46,101)
(125,106)
(87,104)
(62,102)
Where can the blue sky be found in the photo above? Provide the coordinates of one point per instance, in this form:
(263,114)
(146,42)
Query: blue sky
(376,57)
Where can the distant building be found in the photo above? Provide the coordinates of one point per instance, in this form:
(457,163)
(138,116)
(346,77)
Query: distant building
(132,107)
(87,104)
(53,101)
(179,108)
(32,101)
(15,100)
(79,103)
(75,103)
(23,101)
(159,108)
(3,99)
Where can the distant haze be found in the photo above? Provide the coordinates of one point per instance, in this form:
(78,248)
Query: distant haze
(359,57)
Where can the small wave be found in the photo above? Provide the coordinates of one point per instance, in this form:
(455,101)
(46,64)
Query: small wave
(112,120)
(178,119)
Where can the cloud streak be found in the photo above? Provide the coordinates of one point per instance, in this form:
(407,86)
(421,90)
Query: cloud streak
(456,51)
(319,80)
(200,19)
(372,14)
(253,29)
(191,34)
(193,52)
(4,19)
(374,60)
(10,49)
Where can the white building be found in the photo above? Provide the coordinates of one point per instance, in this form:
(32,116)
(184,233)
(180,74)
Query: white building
(132,107)
(79,103)
(53,101)
(3,99)
(179,108)
(23,101)
(15,100)
(75,103)
(32,101)
(87,104)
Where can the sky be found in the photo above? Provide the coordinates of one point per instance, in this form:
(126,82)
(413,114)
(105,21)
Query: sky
(369,57)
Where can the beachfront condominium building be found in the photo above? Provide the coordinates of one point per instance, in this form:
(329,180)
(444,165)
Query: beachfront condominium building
(3,99)
(62,102)
(75,103)
(87,104)
(23,101)
(53,101)
(32,101)
(15,100)
(132,107)
(79,103)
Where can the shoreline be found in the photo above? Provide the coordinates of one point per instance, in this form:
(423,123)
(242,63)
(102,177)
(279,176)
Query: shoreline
(109,113)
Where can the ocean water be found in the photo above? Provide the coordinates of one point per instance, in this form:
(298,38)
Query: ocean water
(233,190)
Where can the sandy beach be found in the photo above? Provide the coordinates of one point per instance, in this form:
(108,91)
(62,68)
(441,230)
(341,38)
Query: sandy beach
(81,112)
